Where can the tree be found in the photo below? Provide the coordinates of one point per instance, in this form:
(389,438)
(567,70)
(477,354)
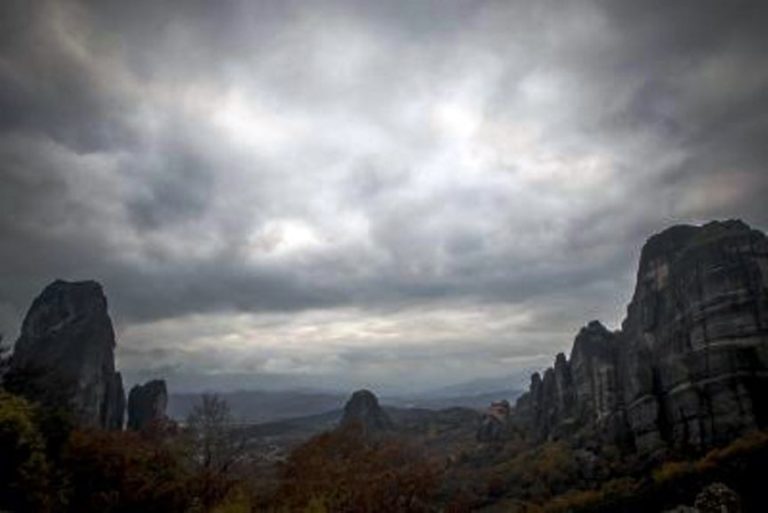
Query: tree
(23,466)
(124,472)
(215,448)
(346,472)
(52,395)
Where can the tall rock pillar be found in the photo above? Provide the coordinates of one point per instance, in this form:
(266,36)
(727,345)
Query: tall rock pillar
(67,338)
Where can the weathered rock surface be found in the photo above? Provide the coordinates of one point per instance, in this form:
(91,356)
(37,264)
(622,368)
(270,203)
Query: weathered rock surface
(493,423)
(695,341)
(147,404)
(577,393)
(363,410)
(67,334)
(687,368)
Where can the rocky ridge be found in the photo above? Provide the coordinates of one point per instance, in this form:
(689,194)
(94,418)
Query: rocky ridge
(688,367)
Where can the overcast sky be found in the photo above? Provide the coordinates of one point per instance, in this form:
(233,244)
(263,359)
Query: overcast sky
(398,194)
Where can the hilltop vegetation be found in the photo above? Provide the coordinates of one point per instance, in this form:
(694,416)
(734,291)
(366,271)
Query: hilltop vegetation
(206,468)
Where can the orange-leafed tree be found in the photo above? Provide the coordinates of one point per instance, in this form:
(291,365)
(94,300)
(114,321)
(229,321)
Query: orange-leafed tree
(345,471)
(124,472)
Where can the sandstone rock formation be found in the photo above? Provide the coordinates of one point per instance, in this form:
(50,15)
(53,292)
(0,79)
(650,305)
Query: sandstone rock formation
(67,335)
(695,341)
(687,369)
(362,409)
(594,366)
(147,404)
(494,422)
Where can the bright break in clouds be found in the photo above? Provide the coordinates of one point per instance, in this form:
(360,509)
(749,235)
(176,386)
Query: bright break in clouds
(393,194)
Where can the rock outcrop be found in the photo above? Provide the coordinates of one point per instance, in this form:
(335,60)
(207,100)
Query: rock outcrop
(695,341)
(493,423)
(67,336)
(147,404)
(687,369)
(594,366)
(575,393)
(363,410)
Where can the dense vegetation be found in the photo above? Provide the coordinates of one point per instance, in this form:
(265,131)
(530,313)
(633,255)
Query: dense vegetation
(205,466)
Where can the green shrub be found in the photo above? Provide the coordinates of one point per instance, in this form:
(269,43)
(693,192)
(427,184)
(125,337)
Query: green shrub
(24,471)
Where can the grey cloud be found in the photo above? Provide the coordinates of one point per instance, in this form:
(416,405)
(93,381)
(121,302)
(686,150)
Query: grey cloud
(258,157)
(49,86)
(179,189)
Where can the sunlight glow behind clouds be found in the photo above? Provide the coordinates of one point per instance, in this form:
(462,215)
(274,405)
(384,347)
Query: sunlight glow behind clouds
(284,236)
(337,190)
(254,126)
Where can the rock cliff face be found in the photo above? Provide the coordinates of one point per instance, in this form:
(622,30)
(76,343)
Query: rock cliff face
(695,341)
(67,335)
(147,404)
(363,410)
(687,369)
(594,364)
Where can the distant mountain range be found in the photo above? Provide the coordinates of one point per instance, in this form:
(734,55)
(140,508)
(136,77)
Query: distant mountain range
(260,406)
(516,381)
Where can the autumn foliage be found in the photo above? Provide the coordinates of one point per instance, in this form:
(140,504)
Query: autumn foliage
(91,470)
(124,472)
(346,472)
(24,469)
(205,467)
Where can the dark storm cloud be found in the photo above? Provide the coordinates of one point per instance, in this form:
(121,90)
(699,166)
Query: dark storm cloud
(176,190)
(51,88)
(231,158)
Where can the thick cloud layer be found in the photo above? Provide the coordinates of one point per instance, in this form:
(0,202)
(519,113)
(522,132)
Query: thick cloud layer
(386,193)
